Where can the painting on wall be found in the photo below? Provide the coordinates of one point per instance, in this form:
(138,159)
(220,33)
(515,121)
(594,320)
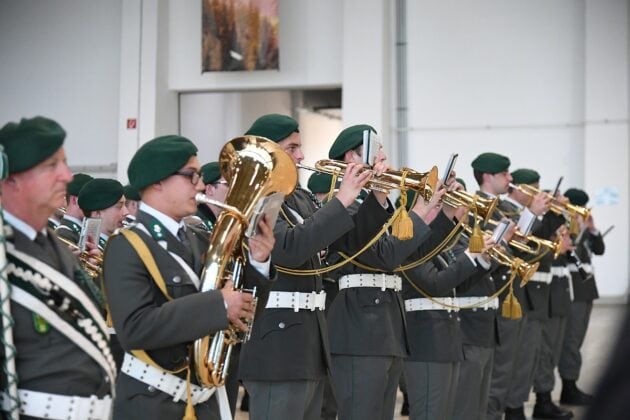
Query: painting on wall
(239,35)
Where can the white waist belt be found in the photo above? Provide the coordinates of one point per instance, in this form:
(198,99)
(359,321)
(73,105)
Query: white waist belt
(61,407)
(542,277)
(586,266)
(479,302)
(435,304)
(560,272)
(383,281)
(297,300)
(164,381)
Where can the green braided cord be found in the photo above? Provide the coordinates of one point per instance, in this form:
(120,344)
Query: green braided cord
(10,352)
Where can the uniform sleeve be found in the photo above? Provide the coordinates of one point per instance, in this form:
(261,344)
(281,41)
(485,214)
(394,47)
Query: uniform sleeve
(296,244)
(140,318)
(439,283)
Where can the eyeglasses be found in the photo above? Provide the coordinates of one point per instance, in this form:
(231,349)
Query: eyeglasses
(221,182)
(193,175)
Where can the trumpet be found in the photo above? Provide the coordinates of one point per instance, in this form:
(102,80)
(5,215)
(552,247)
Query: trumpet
(483,207)
(92,269)
(556,206)
(524,270)
(521,243)
(422,182)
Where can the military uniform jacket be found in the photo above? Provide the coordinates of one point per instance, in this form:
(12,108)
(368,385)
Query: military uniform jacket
(369,321)
(534,297)
(206,215)
(436,336)
(69,230)
(47,360)
(145,320)
(585,290)
(288,345)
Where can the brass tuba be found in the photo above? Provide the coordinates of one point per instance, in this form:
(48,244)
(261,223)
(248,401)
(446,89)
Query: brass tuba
(254,168)
(422,182)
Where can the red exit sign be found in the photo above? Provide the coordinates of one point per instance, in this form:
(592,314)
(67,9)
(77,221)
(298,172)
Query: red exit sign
(131,123)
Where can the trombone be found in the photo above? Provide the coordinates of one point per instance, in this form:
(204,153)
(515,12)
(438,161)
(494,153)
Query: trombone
(422,182)
(556,206)
(92,269)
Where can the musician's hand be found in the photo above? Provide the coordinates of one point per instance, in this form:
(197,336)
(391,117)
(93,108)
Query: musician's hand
(380,167)
(455,212)
(451,180)
(240,306)
(488,243)
(540,204)
(261,244)
(352,183)
(566,244)
(95,254)
(509,233)
(428,211)
(590,224)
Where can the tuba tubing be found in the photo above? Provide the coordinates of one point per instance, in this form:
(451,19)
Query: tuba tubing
(254,167)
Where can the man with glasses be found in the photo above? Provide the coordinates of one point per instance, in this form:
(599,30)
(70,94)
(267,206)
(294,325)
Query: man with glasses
(154,299)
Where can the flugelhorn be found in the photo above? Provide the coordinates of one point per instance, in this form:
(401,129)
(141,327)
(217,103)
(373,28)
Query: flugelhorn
(521,242)
(555,206)
(524,270)
(92,269)
(483,207)
(254,168)
(422,182)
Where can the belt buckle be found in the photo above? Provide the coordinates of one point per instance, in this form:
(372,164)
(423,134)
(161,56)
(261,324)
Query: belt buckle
(384,282)
(313,300)
(448,301)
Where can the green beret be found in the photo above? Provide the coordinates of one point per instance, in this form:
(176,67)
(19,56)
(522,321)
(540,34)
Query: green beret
(275,127)
(131,193)
(99,194)
(350,138)
(525,176)
(30,142)
(78,181)
(319,182)
(461,181)
(576,197)
(491,163)
(210,172)
(158,159)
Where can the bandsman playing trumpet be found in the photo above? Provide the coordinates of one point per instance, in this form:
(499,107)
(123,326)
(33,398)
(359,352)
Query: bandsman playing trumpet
(589,242)
(285,363)
(154,299)
(216,187)
(366,319)
(104,199)
(60,346)
(70,226)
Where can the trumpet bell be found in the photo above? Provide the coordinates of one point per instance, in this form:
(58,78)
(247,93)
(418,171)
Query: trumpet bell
(484,207)
(526,271)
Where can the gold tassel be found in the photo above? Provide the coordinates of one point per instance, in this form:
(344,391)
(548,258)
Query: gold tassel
(511,308)
(189,414)
(402,226)
(476,243)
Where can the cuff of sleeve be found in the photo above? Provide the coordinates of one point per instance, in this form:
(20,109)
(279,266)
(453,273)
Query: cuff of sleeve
(261,267)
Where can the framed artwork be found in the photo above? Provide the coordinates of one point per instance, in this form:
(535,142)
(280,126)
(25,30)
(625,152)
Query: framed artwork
(239,35)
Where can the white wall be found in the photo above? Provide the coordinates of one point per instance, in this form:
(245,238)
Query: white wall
(211,119)
(310,51)
(61,59)
(534,81)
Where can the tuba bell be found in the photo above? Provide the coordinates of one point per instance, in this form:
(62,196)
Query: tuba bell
(254,168)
